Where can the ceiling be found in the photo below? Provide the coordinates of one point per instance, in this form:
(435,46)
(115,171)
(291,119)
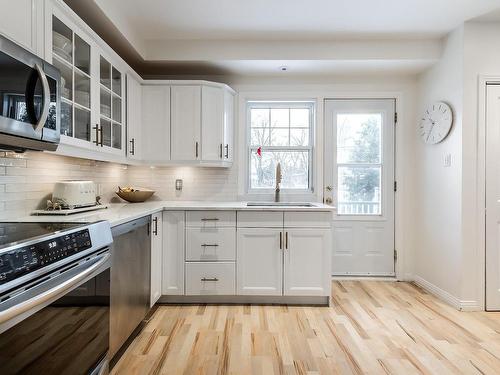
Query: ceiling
(214,36)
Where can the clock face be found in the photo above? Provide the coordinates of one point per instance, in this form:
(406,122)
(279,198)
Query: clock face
(436,123)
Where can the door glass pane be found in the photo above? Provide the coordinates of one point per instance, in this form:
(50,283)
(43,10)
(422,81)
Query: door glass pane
(117,82)
(294,169)
(105,102)
(82,124)
(66,78)
(117,109)
(117,136)
(62,40)
(82,89)
(106,132)
(359,138)
(82,55)
(66,118)
(359,190)
(105,72)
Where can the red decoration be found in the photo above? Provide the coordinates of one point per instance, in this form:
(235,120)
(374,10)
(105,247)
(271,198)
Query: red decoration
(259,151)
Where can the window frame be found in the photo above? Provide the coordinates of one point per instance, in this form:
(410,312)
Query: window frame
(288,104)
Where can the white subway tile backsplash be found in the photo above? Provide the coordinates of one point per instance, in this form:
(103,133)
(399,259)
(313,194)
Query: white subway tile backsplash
(27,180)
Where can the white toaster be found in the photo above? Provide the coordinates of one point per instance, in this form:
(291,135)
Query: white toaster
(74,193)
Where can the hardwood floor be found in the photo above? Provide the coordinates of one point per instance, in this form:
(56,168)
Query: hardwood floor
(372,327)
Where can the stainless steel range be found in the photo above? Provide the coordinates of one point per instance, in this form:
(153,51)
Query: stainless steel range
(54,298)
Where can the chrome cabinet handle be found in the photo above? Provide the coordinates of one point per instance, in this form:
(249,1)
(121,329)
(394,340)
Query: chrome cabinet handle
(286,240)
(155,230)
(132,148)
(196,149)
(221,147)
(46,98)
(210,219)
(100,132)
(50,294)
(209,245)
(281,240)
(227,151)
(209,279)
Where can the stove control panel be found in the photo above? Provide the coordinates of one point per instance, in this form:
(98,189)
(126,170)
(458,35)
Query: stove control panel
(24,260)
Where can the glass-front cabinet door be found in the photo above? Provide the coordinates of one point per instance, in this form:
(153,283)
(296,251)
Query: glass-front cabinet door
(111,107)
(72,55)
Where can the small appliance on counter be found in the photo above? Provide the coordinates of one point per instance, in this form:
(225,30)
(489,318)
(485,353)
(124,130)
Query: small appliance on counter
(72,196)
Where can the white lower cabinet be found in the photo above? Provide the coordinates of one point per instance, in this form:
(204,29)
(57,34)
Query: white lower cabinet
(156,256)
(173,253)
(259,261)
(248,253)
(307,262)
(210,278)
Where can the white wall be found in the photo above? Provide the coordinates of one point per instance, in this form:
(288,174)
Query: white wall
(438,189)
(481,57)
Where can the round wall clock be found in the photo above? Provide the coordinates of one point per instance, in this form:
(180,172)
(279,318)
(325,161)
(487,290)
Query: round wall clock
(436,123)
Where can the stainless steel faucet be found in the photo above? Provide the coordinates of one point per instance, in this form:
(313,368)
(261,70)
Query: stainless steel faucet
(278,182)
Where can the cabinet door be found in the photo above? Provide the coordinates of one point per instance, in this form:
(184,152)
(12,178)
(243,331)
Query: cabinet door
(186,123)
(212,123)
(156,256)
(259,261)
(173,253)
(307,262)
(22,22)
(134,118)
(156,123)
(228,126)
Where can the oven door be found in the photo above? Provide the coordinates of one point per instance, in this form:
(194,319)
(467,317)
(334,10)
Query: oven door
(29,97)
(59,325)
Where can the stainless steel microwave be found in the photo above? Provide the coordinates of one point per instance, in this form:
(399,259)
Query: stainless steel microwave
(30,103)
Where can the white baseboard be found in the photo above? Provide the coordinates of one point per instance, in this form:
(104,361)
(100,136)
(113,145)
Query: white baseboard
(365,278)
(446,297)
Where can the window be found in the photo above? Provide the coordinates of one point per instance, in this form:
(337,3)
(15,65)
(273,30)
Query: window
(280,132)
(359,163)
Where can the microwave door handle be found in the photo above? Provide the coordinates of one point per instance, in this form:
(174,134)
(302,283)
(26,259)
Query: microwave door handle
(51,294)
(46,98)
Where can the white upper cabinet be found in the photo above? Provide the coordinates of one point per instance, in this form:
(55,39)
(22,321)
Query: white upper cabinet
(134,118)
(212,123)
(186,123)
(155,129)
(22,22)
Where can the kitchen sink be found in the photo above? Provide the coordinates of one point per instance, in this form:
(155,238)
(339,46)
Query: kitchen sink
(279,204)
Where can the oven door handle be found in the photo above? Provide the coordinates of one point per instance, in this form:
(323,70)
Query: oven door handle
(45,97)
(52,294)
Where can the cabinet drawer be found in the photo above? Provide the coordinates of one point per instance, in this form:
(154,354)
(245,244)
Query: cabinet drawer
(260,219)
(210,244)
(210,279)
(211,219)
(321,219)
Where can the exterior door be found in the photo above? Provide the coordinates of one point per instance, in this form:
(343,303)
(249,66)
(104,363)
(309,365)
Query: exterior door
(493,197)
(260,261)
(359,181)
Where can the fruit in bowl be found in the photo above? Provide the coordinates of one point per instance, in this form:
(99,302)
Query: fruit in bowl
(134,195)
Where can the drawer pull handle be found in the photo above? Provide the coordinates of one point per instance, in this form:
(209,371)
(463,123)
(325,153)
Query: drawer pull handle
(209,245)
(209,279)
(210,219)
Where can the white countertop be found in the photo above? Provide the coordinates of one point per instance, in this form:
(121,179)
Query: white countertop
(119,213)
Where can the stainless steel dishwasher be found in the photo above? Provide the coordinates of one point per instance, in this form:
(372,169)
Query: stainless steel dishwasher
(130,280)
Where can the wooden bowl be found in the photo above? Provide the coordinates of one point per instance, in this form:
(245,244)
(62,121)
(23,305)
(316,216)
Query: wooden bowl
(136,196)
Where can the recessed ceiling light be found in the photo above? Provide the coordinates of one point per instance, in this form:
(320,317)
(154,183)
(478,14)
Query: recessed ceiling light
(283,68)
